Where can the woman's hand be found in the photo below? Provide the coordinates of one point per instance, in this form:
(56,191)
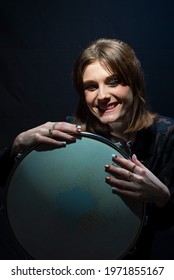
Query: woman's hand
(134,180)
(56,134)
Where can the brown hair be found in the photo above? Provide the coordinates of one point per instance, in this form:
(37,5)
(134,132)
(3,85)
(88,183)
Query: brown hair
(121,60)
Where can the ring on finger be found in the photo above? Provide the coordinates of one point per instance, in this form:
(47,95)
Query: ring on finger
(54,126)
(133,167)
(50,132)
(131,175)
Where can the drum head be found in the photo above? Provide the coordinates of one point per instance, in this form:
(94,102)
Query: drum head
(59,206)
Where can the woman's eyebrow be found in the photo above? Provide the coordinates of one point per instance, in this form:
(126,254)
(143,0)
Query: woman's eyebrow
(88,82)
(114,76)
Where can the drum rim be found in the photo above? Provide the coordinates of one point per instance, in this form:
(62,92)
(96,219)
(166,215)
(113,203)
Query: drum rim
(79,135)
(104,140)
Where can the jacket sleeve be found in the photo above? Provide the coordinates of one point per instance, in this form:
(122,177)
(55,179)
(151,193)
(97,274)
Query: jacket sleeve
(164,217)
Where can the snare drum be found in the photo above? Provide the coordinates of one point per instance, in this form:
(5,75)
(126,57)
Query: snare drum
(59,206)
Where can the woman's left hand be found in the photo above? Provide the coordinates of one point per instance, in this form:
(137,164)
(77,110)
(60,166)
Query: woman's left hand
(132,179)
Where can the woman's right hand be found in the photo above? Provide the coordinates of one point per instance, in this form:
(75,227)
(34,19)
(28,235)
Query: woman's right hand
(55,134)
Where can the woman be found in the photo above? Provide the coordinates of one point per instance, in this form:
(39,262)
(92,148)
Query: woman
(113,103)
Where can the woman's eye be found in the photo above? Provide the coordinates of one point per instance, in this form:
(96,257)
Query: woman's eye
(114,82)
(90,87)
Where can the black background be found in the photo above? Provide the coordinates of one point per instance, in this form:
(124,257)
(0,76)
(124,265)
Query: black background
(40,40)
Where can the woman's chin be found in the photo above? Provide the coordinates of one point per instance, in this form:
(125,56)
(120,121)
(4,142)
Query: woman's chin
(108,119)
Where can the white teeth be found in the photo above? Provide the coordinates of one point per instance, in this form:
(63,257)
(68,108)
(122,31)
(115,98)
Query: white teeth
(110,107)
(107,108)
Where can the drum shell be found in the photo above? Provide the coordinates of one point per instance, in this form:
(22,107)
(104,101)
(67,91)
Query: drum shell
(59,206)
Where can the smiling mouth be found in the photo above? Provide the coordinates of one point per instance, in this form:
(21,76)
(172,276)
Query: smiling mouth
(107,108)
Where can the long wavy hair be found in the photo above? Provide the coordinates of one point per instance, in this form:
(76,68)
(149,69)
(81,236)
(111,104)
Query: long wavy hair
(119,58)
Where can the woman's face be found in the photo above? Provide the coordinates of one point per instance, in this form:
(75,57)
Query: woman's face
(106,98)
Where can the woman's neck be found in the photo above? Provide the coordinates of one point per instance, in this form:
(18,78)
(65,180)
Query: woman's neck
(118,133)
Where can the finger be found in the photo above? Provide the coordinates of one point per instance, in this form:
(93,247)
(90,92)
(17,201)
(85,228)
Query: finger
(67,127)
(136,161)
(62,136)
(46,131)
(120,184)
(129,194)
(124,174)
(124,163)
(42,139)
(118,172)
(50,146)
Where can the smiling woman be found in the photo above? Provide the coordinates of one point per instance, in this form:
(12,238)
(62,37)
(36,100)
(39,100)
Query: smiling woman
(106,98)
(112,103)
(110,68)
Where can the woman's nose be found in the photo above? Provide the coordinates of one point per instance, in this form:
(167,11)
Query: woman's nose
(103,93)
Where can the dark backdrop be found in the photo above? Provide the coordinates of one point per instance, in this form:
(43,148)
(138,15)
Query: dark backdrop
(39,42)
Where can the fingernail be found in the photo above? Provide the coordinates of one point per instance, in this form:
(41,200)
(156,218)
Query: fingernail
(107,179)
(78,127)
(134,156)
(106,166)
(63,143)
(114,189)
(114,156)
